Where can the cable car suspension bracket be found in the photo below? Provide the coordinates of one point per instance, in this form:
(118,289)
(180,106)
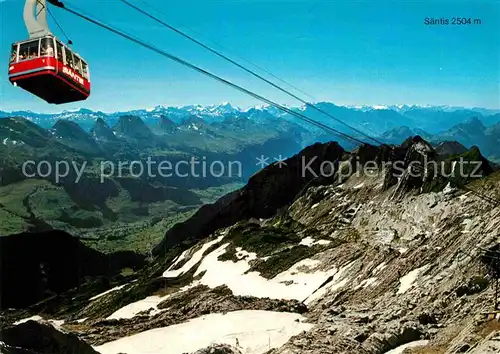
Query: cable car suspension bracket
(35,18)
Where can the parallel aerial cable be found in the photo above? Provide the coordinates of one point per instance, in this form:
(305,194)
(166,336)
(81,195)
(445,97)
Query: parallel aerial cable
(209,74)
(224,48)
(69,41)
(259,67)
(251,72)
(345,136)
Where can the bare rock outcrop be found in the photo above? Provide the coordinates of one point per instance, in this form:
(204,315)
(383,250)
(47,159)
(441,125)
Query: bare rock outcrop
(40,337)
(218,349)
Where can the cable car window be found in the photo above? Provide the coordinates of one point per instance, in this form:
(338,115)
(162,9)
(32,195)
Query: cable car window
(13,54)
(47,47)
(60,49)
(69,58)
(85,70)
(34,50)
(77,62)
(28,50)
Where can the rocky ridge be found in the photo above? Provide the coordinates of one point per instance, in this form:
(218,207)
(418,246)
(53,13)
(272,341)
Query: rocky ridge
(356,261)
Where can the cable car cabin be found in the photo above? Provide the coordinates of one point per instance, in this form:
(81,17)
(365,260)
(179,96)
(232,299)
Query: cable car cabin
(50,70)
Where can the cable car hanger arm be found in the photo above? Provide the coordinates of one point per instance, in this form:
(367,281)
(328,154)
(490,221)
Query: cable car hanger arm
(35,18)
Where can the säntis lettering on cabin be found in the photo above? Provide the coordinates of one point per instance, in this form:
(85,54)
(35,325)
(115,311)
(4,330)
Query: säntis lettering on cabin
(73,75)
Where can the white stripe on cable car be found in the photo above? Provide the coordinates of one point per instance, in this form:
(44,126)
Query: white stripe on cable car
(32,71)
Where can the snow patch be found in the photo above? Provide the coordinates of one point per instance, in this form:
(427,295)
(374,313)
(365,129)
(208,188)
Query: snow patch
(464,196)
(55,323)
(467,226)
(179,259)
(255,332)
(401,348)
(407,281)
(242,254)
(131,310)
(195,259)
(297,283)
(108,291)
(337,280)
(309,242)
(366,283)
(380,268)
(385,236)
(448,189)
(32,318)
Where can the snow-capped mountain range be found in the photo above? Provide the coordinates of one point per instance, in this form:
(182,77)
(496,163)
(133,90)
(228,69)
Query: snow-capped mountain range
(376,119)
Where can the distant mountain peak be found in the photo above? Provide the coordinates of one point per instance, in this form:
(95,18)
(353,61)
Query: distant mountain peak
(78,110)
(475,120)
(66,124)
(100,121)
(166,125)
(222,109)
(133,126)
(102,131)
(72,134)
(448,148)
(193,119)
(473,126)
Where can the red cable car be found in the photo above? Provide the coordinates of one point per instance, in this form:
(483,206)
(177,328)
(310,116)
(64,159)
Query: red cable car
(44,66)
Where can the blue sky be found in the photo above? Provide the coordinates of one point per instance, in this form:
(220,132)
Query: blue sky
(347,52)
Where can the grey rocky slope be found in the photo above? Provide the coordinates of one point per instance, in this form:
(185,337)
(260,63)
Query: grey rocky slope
(359,262)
